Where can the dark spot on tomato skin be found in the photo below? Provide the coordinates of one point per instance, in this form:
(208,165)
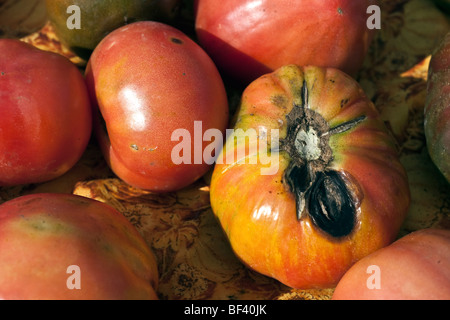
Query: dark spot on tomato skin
(330,204)
(176,40)
(279,100)
(344,102)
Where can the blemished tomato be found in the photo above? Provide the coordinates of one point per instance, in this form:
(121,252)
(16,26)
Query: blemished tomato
(247,39)
(415,267)
(306,205)
(45,114)
(63,246)
(437,108)
(150,82)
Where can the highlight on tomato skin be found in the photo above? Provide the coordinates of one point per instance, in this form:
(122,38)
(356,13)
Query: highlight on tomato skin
(142,96)
(414,267)
(45,117)
(339,191)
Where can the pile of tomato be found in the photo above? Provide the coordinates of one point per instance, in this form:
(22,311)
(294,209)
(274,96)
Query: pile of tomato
(306,184)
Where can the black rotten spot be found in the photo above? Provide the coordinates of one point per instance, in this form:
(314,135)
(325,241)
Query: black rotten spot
(331,205)
(323,194)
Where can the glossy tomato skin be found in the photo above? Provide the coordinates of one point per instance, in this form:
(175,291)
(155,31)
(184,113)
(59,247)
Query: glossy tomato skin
(46,119)
(258,211)
(44,234)
(250,38)
(150,80)
(415,267)
(437,108)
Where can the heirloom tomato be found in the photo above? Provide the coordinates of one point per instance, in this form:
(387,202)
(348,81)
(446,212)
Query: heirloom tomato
(310,181)
(415,267)
(63,246)
(437,108)
(155,89)
(45,114)
(249,38)
(98,18)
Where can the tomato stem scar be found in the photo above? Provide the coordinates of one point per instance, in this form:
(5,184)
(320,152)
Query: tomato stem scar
(323,194)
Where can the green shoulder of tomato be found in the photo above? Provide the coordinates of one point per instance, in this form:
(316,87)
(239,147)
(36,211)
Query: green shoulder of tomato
(82,24)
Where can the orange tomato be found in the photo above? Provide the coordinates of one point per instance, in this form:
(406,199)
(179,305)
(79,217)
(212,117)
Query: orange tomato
(328,191)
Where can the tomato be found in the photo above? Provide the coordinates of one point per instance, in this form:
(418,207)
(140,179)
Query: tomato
(46,120)
(437,108)
(156,89)
(310,181)
(63,246)
(249,38)
(415,267)
(83,38)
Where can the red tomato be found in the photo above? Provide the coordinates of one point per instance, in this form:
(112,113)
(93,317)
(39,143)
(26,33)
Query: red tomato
(416,266)
(46,120)
(306,205)
(62,246)
(151,81)
(249,38)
